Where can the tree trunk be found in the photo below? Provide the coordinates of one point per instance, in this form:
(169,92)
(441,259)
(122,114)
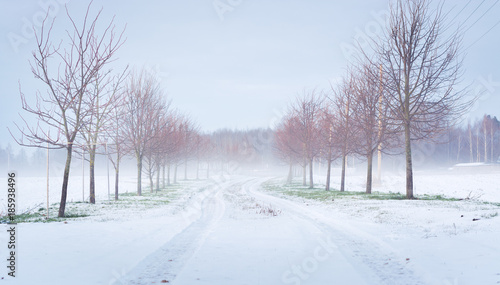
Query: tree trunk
(158,166)
(117,176)
(379,163)
(168,174)
(150,175)
(197,169)
(92,151)
(328,172)
(471,155)
(369,173)
(185,169)
(342,174)
(492,142)
(304,175)
(311,182)
(175,174)
(485,142)
(163,175)
(290,174)
(478,154)
(139,174)
(409,166)
(64,192)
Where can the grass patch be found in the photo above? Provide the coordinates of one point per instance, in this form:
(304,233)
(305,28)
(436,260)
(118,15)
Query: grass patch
(297,190)
(126,202)
(40,217)
(490,215)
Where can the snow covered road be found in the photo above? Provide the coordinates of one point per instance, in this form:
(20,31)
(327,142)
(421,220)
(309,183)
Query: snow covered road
(247,237)
(229,230)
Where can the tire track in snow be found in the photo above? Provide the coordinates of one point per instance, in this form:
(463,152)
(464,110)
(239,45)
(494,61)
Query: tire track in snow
(166,262)
(375,260)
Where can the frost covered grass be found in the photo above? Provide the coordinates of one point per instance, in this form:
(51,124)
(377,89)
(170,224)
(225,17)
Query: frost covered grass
(429,212)
(244,204)
(297,190)
(128,204)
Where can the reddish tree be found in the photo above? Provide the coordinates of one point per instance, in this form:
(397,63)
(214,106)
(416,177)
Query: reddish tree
(307,110)
(286,145)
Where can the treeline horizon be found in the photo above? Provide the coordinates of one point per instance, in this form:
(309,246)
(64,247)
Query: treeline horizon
(466,143)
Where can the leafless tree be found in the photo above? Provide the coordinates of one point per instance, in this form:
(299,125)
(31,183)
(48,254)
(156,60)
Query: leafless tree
(115,132)
(67,69)
(99,103)
(286,145)
(329,123)
(143,104)
(165,145)
(173,145)
(370,112)
(341,101)
(420,59)
(201,150)
(153,149)
(307,110)
(188,131)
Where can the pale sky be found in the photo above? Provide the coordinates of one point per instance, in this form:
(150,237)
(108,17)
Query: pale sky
(240,67)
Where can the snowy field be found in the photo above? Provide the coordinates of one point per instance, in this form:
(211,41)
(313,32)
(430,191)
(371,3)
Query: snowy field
(249,230)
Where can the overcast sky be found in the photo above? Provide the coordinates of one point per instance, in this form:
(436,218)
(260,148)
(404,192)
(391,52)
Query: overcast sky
(238,63)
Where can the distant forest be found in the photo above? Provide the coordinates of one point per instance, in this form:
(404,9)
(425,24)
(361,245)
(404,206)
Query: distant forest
(477,141)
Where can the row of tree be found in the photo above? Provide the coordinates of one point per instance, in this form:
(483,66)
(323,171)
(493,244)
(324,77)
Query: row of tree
(402,90)
(89,107)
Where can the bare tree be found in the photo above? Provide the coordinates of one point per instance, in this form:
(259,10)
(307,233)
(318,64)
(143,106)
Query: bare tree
(117,147)
(420,59)
(286,145)
(173,145)
(67,73)
(166,137)
(153,150)
(369,118)
(143,102)
(341,103)
(471,154)
(201,150)
(188,133)
(329,139)
(99,102)
(307,110)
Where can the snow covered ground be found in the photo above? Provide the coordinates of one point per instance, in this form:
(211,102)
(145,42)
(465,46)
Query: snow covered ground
(234,230)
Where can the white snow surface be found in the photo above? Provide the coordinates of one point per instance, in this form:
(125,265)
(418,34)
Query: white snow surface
(229,230)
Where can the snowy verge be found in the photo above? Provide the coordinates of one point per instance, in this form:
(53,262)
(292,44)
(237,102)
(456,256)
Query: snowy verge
(446,241)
